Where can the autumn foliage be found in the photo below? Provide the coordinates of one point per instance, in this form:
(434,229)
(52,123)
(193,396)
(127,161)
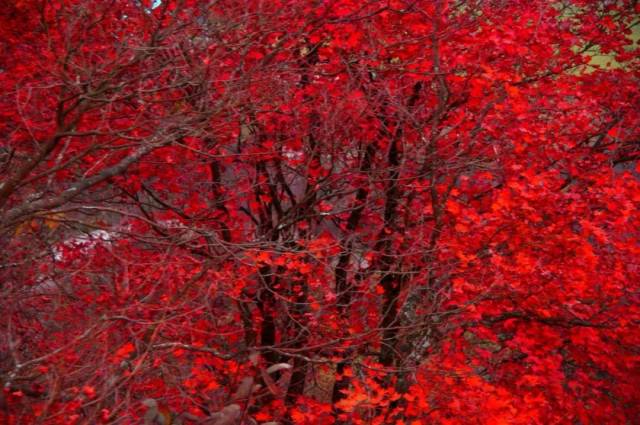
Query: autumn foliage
(420,211)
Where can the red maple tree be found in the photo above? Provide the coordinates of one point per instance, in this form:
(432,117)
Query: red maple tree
(316,212)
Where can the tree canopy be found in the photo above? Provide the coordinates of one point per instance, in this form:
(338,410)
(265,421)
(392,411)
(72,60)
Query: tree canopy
(319,212)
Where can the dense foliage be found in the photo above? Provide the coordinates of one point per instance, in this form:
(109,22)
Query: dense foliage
(320,211)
